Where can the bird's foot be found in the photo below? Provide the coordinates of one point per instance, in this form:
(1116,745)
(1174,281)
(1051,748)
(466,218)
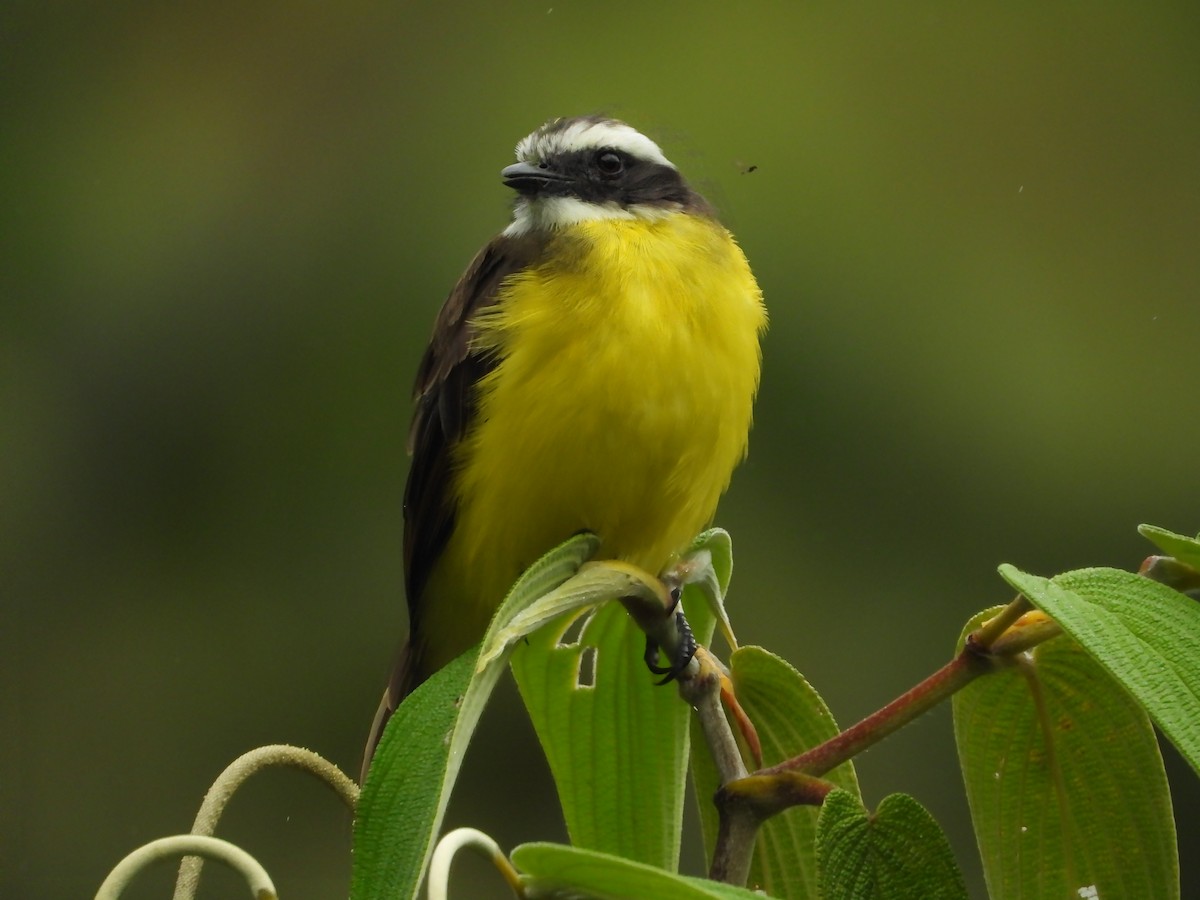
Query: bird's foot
(683,654)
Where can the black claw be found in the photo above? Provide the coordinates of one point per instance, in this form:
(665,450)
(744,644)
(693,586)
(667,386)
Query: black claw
(687,648)
(676,596)
(650,657)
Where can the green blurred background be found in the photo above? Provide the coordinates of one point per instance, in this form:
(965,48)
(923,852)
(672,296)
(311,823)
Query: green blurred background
(227,228)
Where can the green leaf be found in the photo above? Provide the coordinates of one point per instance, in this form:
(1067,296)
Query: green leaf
(401,805)
(417,761)
(1180,570)
(898,853)
(1064,779)
(1145,634)
(616,743)
(711,559)
(790,717)
(1184,549)
(569,873)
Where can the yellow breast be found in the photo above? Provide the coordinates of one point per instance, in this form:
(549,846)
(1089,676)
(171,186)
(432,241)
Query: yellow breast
(629,359)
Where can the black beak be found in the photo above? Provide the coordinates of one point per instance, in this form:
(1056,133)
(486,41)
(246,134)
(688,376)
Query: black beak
(529,179)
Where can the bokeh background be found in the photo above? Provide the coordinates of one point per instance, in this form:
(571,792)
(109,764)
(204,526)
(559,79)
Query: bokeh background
(227,228)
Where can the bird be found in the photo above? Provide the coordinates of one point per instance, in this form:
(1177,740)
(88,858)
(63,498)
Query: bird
(594,369)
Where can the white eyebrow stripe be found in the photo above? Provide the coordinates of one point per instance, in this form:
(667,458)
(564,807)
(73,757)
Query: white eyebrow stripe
(589,134)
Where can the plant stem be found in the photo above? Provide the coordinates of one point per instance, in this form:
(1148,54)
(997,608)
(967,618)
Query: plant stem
(1015,629)
(233,777)
(233,856)
(738,826)
(989,631)
(956,674)
(737,830)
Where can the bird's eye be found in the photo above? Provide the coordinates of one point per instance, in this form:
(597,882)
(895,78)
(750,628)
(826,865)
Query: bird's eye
(610,163)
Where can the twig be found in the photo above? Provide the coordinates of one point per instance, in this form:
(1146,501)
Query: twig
(470,838)
(1013,631)
(738,826)
(233,856)
(234,776)
(989,631)
(953,676)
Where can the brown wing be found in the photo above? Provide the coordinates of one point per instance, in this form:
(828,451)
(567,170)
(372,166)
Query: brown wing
(445,407)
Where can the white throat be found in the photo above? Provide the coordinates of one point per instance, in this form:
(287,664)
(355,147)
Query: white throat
(551,213)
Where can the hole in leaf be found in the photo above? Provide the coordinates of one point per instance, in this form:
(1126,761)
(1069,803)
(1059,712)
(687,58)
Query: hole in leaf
(573,633)
(586,677)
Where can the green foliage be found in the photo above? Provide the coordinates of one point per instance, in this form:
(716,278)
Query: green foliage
(1065,782)
(400,808)
(1185,549)
(1064,778)
(418,758)
(897,853)
(569,873)
(1144,634)
(617,744)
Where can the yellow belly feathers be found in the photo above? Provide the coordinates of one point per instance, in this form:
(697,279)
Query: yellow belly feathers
(620,405)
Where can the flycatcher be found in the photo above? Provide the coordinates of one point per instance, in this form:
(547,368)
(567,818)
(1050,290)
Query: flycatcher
(594,369)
